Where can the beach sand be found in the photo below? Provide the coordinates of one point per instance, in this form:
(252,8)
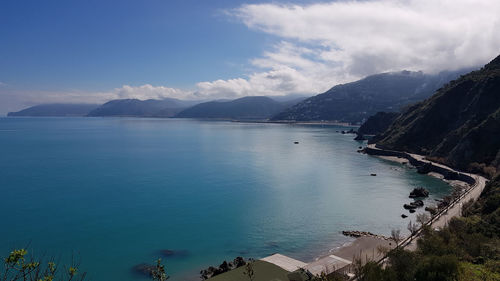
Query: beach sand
(366,248)
(456,209)
(394,159)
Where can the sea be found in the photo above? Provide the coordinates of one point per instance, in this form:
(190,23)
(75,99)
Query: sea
(110,194)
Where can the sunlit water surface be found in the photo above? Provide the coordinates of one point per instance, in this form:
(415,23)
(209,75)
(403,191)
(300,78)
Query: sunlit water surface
(113,192)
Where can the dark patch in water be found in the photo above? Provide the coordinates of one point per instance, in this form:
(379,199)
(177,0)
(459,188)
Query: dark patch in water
(143,269)
(272,245)
(173,254)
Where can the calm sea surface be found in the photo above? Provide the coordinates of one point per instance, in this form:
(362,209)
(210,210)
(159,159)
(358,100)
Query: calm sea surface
(113,192)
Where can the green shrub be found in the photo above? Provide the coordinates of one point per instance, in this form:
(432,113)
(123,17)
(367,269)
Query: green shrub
(437,268)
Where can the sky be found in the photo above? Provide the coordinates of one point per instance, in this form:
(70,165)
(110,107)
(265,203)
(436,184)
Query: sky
(93,51)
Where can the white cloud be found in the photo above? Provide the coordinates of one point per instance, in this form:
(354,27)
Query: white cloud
(148,91)
(15,99)
(328,43)
(287,68)
(320,45)
(280,80)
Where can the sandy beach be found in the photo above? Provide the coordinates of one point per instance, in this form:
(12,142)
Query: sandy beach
(366,248)
(395,159)
(472,191)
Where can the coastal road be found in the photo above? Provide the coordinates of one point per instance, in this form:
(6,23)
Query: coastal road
(456,209)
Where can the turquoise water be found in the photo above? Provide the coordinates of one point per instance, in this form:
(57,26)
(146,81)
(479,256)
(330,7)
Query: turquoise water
(114,192)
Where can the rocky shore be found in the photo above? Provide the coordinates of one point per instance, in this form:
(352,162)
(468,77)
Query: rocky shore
(358,234)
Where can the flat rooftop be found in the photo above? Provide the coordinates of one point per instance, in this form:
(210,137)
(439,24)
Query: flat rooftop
(285,262)
(327,264)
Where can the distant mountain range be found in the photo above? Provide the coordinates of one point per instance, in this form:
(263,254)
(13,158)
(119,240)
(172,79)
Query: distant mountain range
(142,108)
(353,102)
(356,101)
(56,109)
(255,107)
(252,107)
(458,126)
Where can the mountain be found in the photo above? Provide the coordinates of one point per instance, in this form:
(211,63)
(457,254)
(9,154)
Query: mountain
(56,109)
(377,123)
(252,107)
(141,108)
(290,100)
(458,126)
(356,101)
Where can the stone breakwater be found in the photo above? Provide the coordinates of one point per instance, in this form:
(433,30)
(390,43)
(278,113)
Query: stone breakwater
(357,234)
(423,167)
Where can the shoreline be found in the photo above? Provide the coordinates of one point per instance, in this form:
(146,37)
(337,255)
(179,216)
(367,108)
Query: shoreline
(263,121)
(404,161)
(322,123)
(471,186)
(366,247)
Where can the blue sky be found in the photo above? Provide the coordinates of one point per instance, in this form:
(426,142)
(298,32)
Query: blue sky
(97,44)
(97,50)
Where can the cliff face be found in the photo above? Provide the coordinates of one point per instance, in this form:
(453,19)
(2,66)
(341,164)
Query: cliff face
(377,123)
(459,125)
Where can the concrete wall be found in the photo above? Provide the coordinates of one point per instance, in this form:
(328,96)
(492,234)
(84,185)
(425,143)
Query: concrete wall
(423,167)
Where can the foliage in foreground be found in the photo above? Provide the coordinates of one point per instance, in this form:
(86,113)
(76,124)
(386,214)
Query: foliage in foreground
(158,272)
(467,249)
(19,266)
(225,267)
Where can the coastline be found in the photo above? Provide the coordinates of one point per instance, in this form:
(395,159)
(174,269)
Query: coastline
(249,121)
(355,246)
(404,161)
(366,247)
(316,123)
(471,185)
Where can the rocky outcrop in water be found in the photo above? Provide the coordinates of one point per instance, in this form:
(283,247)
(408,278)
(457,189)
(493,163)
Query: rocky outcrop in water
(418,203)
(414,205)
(419,192)
(357,234)
(409,206)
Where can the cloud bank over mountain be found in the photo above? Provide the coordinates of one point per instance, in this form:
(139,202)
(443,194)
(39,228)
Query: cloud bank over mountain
(317,46)
(328,43)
